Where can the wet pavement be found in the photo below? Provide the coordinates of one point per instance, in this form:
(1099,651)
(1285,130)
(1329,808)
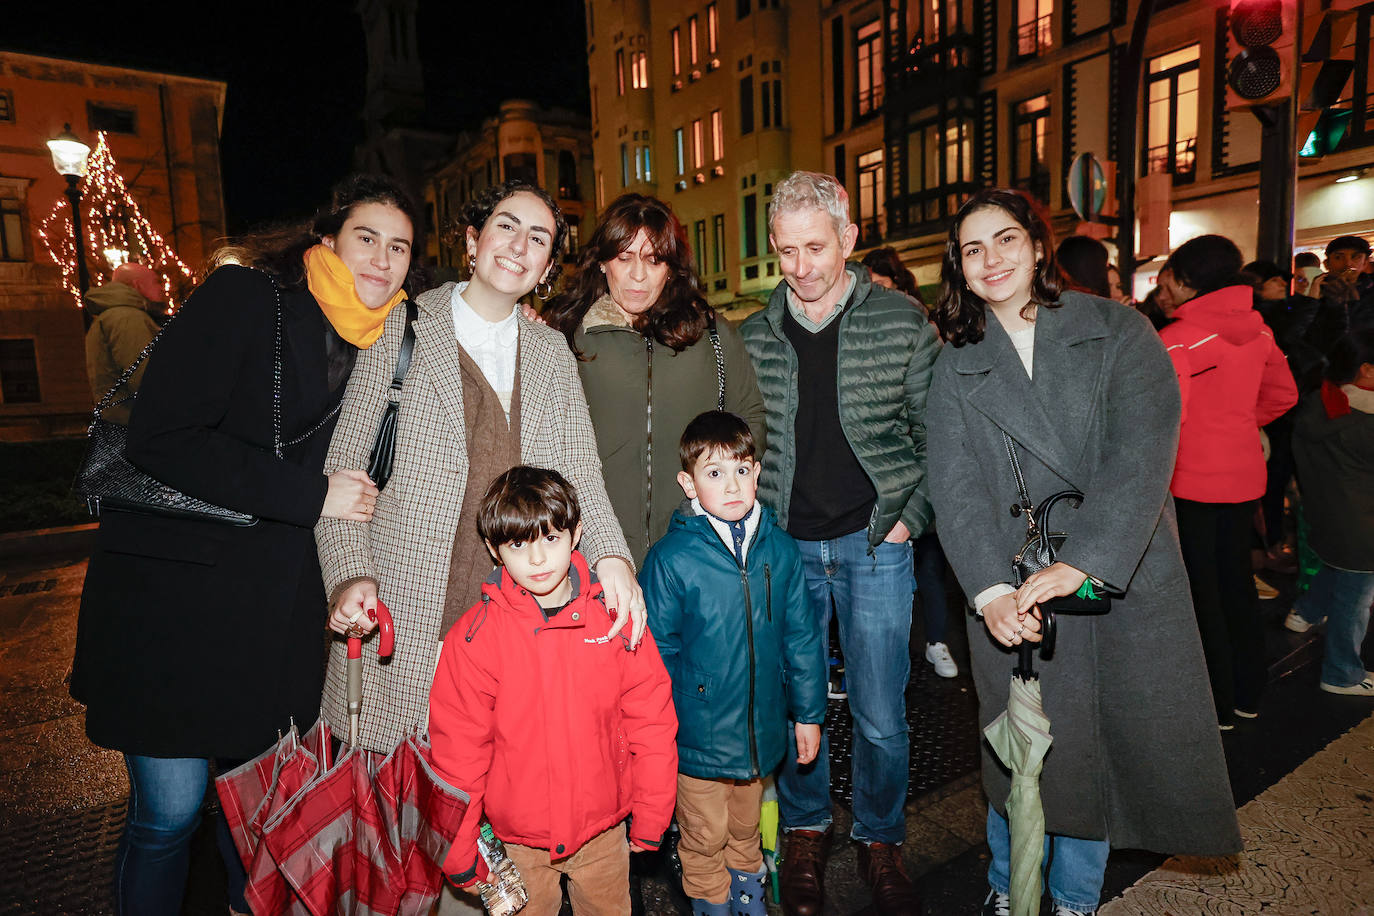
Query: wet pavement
(61,800)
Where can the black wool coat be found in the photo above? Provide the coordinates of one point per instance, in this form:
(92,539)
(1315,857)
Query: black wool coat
(199,639)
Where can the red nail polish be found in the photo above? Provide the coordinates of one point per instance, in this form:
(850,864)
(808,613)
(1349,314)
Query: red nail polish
(372,615)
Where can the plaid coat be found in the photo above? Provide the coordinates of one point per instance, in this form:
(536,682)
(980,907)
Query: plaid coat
(407,546)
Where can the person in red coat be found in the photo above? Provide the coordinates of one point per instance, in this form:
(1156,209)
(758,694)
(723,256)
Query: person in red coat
(1234,379)
(556,731)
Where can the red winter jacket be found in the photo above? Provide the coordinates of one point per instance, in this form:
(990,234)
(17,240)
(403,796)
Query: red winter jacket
(1234,380)
(555,731)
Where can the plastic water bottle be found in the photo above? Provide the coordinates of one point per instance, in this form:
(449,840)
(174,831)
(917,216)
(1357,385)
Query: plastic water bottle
(506,893)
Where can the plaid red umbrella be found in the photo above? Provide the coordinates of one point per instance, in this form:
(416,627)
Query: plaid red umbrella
(366,835)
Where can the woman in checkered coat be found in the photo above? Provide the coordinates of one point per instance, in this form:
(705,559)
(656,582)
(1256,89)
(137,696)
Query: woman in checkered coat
(486,389)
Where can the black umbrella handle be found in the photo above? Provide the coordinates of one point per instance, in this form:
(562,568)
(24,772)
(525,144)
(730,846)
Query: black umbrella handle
(1025,653)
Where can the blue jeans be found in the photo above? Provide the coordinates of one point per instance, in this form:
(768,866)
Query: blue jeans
(165,798)
(872,593)
(1073,867)
(1343,598)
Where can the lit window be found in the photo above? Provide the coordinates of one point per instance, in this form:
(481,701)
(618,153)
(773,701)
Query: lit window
(681,159)
(692,40)
(639,70)
(717,135)
(677,52)
(1033,35)
(870,168)
(698,158)
(712,29)
(868,56)
(1171,117)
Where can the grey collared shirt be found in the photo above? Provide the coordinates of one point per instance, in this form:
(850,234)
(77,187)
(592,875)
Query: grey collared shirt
(794,306)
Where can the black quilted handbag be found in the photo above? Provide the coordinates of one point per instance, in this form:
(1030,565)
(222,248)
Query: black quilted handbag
(107,480)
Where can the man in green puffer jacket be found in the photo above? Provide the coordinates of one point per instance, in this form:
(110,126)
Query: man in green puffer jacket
(843,367)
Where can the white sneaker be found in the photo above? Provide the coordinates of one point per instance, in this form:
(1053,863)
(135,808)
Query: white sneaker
(1364,688)
(1297,623)
(1061,910)
(937,653)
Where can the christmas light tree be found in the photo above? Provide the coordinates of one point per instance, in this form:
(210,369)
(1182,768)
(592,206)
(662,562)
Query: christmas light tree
(115,229)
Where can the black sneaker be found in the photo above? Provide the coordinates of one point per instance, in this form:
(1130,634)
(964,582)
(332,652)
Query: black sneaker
(997,904)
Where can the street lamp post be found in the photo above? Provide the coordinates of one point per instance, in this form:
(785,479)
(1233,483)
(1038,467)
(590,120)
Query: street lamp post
(69,157)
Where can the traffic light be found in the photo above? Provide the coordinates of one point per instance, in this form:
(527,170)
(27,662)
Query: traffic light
(1260,41)
(1326,69)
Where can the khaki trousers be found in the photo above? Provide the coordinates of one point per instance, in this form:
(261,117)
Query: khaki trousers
(598,876)
(719,821)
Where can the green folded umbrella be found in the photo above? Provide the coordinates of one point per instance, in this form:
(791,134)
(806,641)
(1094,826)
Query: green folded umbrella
(1020,737)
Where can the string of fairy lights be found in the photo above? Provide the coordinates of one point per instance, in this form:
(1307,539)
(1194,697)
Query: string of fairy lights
(115,231)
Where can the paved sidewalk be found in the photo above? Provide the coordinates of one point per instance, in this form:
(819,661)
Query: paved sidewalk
(61,800)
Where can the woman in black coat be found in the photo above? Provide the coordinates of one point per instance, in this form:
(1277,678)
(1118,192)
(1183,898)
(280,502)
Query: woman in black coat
(200,641)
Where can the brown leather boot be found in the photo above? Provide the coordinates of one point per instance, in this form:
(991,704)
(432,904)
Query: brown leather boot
(880,865)
(802,871)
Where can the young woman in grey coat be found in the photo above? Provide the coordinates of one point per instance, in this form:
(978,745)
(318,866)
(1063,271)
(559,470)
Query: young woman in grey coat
(1084,388)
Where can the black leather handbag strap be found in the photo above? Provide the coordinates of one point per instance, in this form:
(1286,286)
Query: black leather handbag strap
(407,348)
(720,359)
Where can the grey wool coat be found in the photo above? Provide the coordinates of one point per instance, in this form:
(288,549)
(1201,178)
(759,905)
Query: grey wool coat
(407,546)
(1136,757)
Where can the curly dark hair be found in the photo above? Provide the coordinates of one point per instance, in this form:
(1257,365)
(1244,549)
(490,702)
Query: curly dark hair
(483,204)
(679,317)
(280,251)
(959,313)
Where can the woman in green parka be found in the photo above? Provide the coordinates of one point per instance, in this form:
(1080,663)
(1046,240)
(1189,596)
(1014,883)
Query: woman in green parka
(651,354)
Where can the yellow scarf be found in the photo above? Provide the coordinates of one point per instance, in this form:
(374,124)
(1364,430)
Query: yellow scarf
(331,283)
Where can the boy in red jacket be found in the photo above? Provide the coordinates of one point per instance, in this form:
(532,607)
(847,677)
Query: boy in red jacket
(557,732)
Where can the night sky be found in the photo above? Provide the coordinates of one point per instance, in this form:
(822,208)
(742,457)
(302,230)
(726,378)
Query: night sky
(296,78)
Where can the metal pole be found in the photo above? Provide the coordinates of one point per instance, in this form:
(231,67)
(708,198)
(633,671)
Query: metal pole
(83,279)
(1132,71)
(1278,178)
(1278,182)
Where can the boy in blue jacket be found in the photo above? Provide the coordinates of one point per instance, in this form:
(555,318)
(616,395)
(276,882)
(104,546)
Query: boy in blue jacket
(742,643)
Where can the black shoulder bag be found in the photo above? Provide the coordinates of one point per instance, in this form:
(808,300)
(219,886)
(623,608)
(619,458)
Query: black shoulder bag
(1043,544)
(107,479)
(379,463)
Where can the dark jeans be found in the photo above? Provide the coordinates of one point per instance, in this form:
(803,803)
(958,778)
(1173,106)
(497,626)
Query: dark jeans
(1280,469)
(1215,538)
(930,585)
(165,799)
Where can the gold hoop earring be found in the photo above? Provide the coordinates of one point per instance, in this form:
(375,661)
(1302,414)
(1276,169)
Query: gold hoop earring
(547,291)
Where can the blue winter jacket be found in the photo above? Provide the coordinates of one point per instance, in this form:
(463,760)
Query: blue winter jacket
(742,645)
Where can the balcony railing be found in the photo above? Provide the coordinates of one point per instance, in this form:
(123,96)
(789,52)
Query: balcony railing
(1032,38)
(1179,159)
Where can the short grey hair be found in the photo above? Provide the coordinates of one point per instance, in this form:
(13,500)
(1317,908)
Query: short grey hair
(810,191)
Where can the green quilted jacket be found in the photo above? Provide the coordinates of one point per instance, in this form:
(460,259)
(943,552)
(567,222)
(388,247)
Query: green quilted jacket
(887,348)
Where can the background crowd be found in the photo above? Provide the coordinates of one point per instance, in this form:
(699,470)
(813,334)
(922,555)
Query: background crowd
(891,435)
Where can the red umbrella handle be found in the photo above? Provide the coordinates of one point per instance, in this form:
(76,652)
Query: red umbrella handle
(386,640)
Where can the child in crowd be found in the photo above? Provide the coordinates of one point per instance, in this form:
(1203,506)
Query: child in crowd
(557,732)
(742,642)
(1333,442)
